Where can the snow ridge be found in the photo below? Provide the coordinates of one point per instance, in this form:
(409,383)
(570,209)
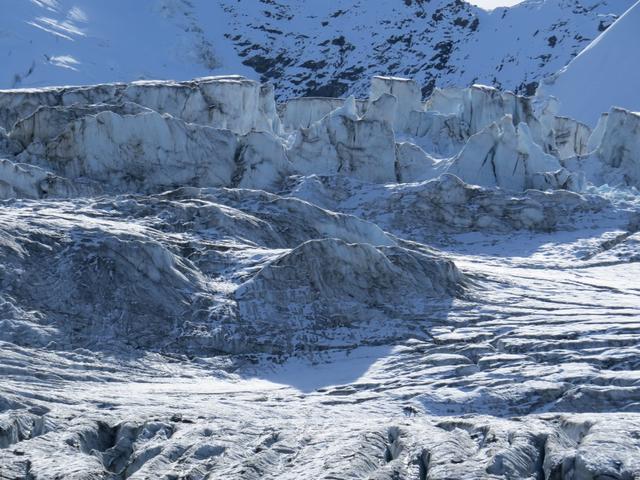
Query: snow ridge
(605,72)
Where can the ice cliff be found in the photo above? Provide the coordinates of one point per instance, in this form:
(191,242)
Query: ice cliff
(226,132)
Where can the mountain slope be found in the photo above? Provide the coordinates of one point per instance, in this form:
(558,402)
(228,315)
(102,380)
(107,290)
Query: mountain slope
(62,42)
(307,48)
(438,43)
(606,73)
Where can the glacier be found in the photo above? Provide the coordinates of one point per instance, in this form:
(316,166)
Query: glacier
(198,280)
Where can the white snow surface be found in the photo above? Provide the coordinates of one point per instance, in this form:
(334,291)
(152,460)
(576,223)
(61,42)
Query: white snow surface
(192,287)
(606,73)
(64,42)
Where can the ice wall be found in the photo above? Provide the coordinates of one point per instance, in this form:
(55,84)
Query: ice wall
(226,132)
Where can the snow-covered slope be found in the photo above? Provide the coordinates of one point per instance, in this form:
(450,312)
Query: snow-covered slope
(306,48)
(68,42)
(604,75)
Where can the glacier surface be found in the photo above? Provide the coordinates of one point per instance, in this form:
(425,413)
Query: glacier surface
(199,282)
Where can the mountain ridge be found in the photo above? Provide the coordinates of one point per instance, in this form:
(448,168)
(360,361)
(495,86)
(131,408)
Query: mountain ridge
(307,50)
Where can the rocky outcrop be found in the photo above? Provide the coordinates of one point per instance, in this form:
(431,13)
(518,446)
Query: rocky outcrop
(440,43)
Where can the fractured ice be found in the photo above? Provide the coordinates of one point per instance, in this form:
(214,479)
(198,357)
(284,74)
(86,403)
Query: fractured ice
(196,282)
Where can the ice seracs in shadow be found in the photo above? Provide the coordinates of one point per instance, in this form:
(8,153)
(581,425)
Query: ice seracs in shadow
(330,282)
(505,156)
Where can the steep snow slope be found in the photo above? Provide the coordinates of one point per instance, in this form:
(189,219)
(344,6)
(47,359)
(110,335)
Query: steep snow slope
(606,73)
(307,48)
(65,42)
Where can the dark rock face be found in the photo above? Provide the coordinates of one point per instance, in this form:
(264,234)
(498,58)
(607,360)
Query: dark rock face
(440,43)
